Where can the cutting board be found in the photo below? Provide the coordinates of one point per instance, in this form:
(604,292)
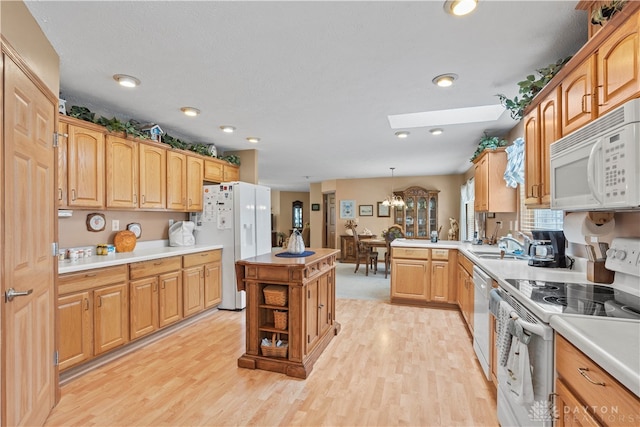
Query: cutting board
(124,241)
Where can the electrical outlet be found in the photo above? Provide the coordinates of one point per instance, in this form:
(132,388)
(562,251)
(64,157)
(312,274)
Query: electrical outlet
(115,225)
(171,222)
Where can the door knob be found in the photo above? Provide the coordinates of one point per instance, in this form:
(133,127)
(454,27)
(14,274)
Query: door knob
(11,293)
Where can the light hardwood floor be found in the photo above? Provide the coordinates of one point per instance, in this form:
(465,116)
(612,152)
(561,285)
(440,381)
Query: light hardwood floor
(390,365)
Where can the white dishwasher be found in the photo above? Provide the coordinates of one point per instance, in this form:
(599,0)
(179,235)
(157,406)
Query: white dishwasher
(482,286)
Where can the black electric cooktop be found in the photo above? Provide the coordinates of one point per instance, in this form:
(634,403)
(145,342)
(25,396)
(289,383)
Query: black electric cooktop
(579,298)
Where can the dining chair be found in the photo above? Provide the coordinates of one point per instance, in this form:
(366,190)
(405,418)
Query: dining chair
(363,253)
(393,233)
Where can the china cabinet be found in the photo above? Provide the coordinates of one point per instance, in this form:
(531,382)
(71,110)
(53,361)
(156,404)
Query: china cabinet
(419,215)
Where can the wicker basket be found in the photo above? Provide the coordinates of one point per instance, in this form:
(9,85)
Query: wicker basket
(280,319)
(272,350)
(275,295)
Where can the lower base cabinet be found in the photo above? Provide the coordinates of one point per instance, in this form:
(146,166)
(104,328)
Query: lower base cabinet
(466,290)
(421,276)
(102,309)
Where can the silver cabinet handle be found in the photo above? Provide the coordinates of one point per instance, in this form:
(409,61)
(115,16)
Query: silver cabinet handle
(11,293)
(583,372)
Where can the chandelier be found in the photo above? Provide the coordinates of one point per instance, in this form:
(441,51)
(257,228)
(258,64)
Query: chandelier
(393,200)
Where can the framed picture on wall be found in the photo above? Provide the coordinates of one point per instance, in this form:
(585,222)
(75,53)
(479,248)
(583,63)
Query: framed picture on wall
(347,209)
(315,206)
(365,210)
(383,210)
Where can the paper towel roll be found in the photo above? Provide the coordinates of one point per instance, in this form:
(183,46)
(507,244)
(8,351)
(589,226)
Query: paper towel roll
(578,227)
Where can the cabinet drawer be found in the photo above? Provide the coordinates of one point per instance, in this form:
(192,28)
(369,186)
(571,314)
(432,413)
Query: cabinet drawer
(73,282)
(608,397)
(466,263)
(412,253)
(154,267)
(201,258)
(440,254)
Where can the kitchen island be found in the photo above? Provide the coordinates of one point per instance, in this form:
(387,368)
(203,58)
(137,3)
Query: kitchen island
(291,302)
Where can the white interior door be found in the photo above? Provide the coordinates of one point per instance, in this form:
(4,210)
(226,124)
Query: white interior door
(28,232)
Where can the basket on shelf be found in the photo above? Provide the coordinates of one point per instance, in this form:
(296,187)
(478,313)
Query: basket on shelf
(273,351)
(275,295)
(280,319)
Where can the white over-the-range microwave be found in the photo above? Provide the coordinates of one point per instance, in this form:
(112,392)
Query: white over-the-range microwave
(597,167)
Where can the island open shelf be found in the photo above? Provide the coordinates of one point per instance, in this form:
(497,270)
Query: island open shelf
(309,310)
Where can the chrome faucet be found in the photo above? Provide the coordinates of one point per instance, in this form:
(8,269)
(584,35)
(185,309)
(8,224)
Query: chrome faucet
(511,239)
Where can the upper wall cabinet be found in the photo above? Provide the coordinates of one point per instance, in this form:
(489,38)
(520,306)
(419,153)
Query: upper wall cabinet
(195,176)
(85,167)
(152,176)
(541,128)
(491,191)
(176,181)
(122,173)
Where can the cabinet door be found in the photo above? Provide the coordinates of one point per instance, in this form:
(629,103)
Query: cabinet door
(481,185)
(532,158)
(192,295)
(578,107)
(571,412)
(619,66)
(313,332)
(213,171)
(74,314)
(410,217)
(85,161)
(143,306)
(410,279)
(212,284)
(439,281)
(231,173)
(111,317)
(176,181)
(170,298)
(122,173)
(194,183)
(550,132)
(152,177)
(63,129)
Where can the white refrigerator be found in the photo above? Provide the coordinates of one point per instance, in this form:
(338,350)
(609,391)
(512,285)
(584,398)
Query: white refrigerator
(236,215)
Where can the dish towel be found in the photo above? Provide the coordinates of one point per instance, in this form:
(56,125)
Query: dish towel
(519,369)
(503,340)
(514,173)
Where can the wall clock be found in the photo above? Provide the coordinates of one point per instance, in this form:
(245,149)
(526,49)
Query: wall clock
(95,222)
(135,228)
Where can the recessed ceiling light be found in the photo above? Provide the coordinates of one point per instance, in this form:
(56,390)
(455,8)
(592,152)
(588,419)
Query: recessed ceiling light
(460,7)
(253,139)
(436,131)
(227,129)
(190,111)
(126,81)
(402,134)
(444,80)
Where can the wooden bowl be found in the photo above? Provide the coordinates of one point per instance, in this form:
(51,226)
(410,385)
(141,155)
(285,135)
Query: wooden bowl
(124,241)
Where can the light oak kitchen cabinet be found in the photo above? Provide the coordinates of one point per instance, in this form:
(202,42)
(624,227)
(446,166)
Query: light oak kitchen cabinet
(213,171)
(195,177)
(541,129)
(155,290)
(152,176)
(93,313)
(122,172)
(491,192)
(201,281)
(85,165)
(410,275)
(443,275)
(466,290)
(587,395)
(231,173)
(578,106)
(176,181)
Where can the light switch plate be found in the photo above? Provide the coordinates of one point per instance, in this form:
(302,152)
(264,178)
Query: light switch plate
(115,225)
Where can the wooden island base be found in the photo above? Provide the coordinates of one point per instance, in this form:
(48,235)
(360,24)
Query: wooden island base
(307,287)
(284,366)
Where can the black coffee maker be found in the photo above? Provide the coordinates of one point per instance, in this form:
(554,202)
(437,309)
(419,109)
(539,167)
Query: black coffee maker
(548,249)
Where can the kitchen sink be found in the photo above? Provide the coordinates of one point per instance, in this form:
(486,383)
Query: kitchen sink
(496,255)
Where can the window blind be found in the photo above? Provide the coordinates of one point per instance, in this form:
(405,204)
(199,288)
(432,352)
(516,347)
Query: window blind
(538,219)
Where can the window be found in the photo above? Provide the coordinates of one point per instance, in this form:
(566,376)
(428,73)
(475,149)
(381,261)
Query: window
(467,211)
(297,214)
(539,219)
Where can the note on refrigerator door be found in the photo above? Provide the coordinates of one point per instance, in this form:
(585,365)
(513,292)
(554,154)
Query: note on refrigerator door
(225,221)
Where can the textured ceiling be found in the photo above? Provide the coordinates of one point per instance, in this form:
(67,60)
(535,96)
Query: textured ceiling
(314,80)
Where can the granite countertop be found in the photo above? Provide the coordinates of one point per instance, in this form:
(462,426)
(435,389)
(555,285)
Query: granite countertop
(614,344)
(144,251)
